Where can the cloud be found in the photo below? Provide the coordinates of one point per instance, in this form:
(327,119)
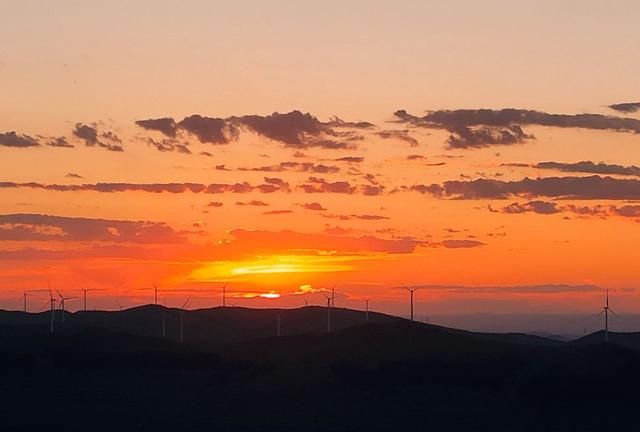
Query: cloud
(60,142)
(579,188)
(484,127)
(365,217)
(320,185)
(73,175)
(254,203)
(165,125)
(627,108)
(540,207)
(293,129)
(627,211)
(276,212)
(11,139)
(316,206)
(38,227)
(294,241)
(210,130)
(459,244)
(270,185)
(479,137)
(169,145)
(91,137)
(296,167)
(402,135)
(589,167)
(215,204)
(350,159)
(550,208)
(339,123)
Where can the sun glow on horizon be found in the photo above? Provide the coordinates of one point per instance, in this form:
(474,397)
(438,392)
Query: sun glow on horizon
(277,264)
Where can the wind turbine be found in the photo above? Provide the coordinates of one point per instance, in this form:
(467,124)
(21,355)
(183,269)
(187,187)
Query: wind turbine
(605,311)
(84,298)
(366,309)
(182,319)
(62,300)
(24,299)
(329,298)
(411,291)
(224,296)
(155,294)
(278,326)
(52,315)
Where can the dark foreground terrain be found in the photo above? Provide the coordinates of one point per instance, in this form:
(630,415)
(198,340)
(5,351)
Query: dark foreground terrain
(113,371)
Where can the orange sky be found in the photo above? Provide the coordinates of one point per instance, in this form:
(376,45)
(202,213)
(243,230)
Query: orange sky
(276,202)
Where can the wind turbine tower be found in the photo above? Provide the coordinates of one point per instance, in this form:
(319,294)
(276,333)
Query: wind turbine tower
(329,298)
(224,296)
(605,311)
(278,326)
(366,309)
(182,319)
(411,291)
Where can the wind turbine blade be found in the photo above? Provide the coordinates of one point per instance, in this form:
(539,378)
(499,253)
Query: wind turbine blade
(186,303)
(614,314)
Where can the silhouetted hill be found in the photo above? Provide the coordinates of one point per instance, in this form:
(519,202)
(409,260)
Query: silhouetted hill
(236,375)
(216,326)
(628,340)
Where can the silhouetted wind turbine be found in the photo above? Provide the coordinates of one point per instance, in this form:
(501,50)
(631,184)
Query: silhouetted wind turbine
(62,300)
(25,294)
(366,309)
(182,319)
(278,326)
(411,291)
(155,294)
(52,315)
(224,296)
(329,298)
(84,292)
(605,310)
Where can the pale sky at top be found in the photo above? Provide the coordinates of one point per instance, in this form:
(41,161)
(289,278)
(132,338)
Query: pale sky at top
(86,61)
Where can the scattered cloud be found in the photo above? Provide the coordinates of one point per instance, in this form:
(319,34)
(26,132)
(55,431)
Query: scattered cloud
(627,107)
(579,188)
(60,142)
(38,227)
(254,203)
(12,139)
(165,125)
(473,128)
(277,212)
(316,206)
(92,137)
(209,130)
(296,167)
(583,167)
(402,135)
(270,185)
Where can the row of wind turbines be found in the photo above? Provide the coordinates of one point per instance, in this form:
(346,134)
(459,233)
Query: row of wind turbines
(330,297)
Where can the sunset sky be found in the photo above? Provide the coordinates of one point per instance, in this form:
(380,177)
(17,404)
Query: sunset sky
(486,152)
